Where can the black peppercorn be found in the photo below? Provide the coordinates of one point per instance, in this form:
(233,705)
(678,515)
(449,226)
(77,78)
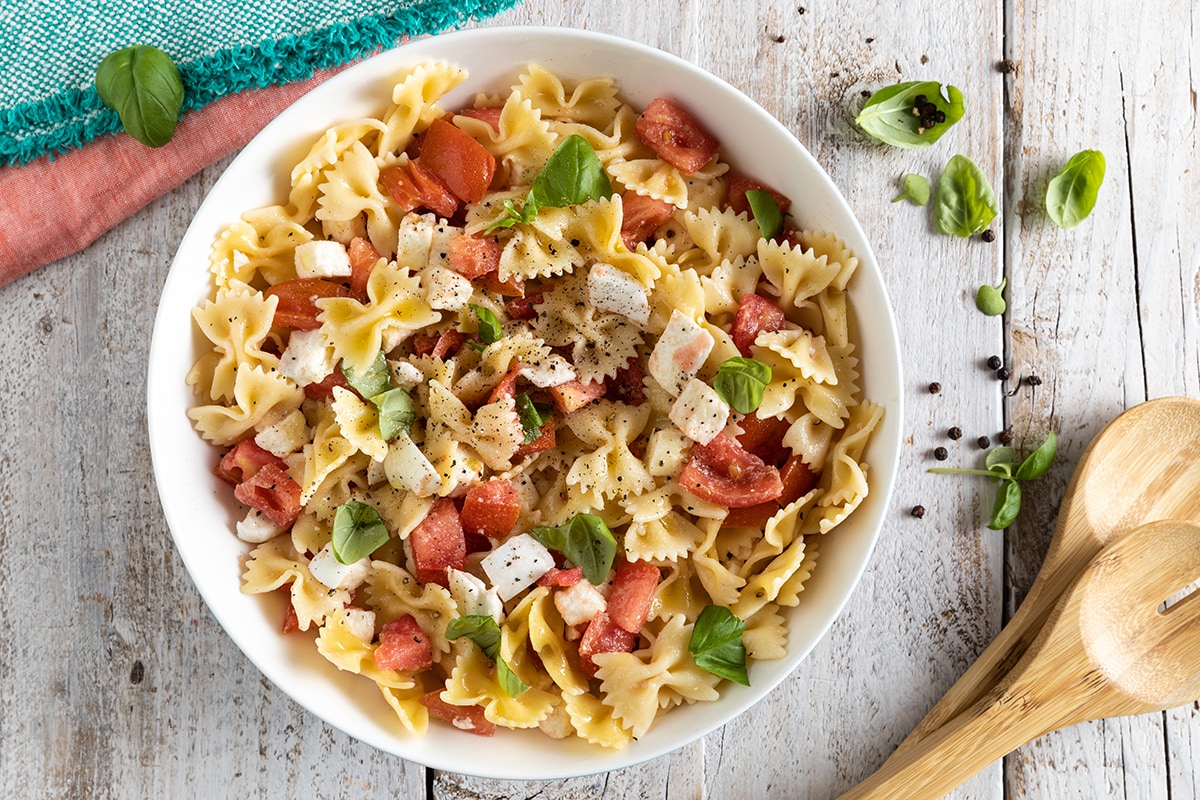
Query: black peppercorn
(1033,380)
(940,453)
(955,433)
(920,100)
(1006,436)
(988,236)
(1004,373)
(918,511)
(994,362)
(939,116)
(927,122)
(1006,67)
(935,387)
(983,442)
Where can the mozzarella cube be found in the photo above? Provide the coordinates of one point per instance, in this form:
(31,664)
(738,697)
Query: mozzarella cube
(553,370)
(256,528)
(439,247)
(472,596)
(616,291)
(307,358)
(406,375)
(666,452)
(446,290)
(360,622)
(414,237)
(579,603)
(679,353)
(284,437)
(328,570)
(516,564)
(407,467)
(700,412)
(322,259)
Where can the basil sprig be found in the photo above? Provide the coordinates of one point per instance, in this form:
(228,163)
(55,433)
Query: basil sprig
(1001,464)
(889,113)
(964,203)
(358,531)
(375,380)
(532,417)
(585,541)
(740,382)
(766,212)
(1072,193)
(484,632)
(916,190)
(573,174)
(143,85)
(716,644)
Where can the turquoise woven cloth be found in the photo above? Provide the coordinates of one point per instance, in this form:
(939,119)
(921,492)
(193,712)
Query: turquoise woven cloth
(49,51)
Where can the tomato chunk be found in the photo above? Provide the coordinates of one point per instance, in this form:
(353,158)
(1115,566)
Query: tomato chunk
(324,389)
(291,622)
(603,636)
(755,314)
(561,577)
(491,508)
(798,479)
(463,164)
(363,258)
(438,543)
(545,441)
(522,308)
(414,186)
(488,114)
(736,195)
(722,472)
(513,287)
(273,492)
(631,594)
(466,718)
(245,459)
(764,437)
(443,345)
(628,384)
(474,256)
(403,645)
(575,394)
(675,136)
(755,516)
(642,216)
(401,187)
(297,307)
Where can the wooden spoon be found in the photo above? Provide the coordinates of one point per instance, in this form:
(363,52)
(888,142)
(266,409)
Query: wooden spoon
(1144,466)
(1106,651)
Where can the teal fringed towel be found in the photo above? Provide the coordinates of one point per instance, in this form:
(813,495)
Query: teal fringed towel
(49,51)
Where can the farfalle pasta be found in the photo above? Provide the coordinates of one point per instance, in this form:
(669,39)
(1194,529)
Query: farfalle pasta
(521,396)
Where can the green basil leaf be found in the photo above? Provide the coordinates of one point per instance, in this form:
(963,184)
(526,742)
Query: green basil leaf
(376,380)
(485,633)
(1000,457)
(143,85)
(1007,505)
(532,418)
(358,531)
(397,413)
(513,215)
(716,644)
(740,383)
(766,212)
(509,681)
(573,174)
(964,203)
(990,299)
(916,190)
(1039,461)
(585,541)
(888,114)
(1072,193)
(489,324)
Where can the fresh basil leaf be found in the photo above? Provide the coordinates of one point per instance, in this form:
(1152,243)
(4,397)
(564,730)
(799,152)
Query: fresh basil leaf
(376,380)
(358,531)
(766,212)
(1007,505)
(573,174)
(585,541)
(964,203)
(888,114)
(397,413)
(990,299)
(716,644)
(1072,193)
(490,331)
(1000,457)
(509,681)
(143,85)
(916,190)
(485,633)
(740,383)
(1039,461)
(532,418)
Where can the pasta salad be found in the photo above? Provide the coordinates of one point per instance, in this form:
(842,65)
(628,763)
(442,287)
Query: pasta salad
(538,408)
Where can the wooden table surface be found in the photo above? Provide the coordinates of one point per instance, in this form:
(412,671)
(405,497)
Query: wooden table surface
(117,682)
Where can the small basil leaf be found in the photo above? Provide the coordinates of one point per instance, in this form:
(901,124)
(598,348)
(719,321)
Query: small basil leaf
(964,203)
(1007,505)
(358,531)
(990,299)
(513,215)
(1072,193)
(916,190)
(550,538)
(489,324)
(573,174)
(1000,456)
(585,541)
(766,212)
(397,413)
(716,644)
(888,114)
(143,85)
(531,416)
(377,378)
(1039,461)
(740,382)
(485,633)
(509,681)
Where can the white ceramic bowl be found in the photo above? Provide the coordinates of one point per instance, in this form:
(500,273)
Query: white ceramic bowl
(200,509)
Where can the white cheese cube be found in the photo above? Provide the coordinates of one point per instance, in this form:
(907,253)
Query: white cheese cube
(406,375)
(307,359)
(516,564)
(666,452)
(579,603)
(553,370)
(472,596)
(679,353)
(360,622)
(284,437)
(446,290)
(616,291)
(414,237)
(322,259)
(328,570)
(407,467)
(256,528)
(700,412)
(439,247)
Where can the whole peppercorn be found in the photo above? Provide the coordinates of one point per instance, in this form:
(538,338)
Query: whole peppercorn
(983,442)
(940,453)
(918,511)
(1033,380)
(955,433)
(988,236)
(994,362)
(1004,373)
(1006,436)
(935,388)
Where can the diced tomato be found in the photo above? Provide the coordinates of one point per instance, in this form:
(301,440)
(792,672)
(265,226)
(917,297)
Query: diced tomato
(722,472)
(791,237)
(575,394)
(400,186)
(403,645)
(363,258)
(474,256)
(561,577)
(414,186)
(507,387)
(463,164)
(755,314)
(465,718)
(631,593)
(477,543)
(438,543)
(736,195)
(491,508)
(291,623)
(273,492)
(324,389)
(642,216)
(488,114)
(245,459)
(545,441)
(513,287)
(603,636)
(675,136)
(297,308)
(522,308)
(798,479)
(444,345)
(755,516)
(628,384)
(764,437)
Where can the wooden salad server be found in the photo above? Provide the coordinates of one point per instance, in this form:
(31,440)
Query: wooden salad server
(1106,650)
(1143,466)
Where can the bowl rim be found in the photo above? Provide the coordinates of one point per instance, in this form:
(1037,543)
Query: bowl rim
(162,401)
